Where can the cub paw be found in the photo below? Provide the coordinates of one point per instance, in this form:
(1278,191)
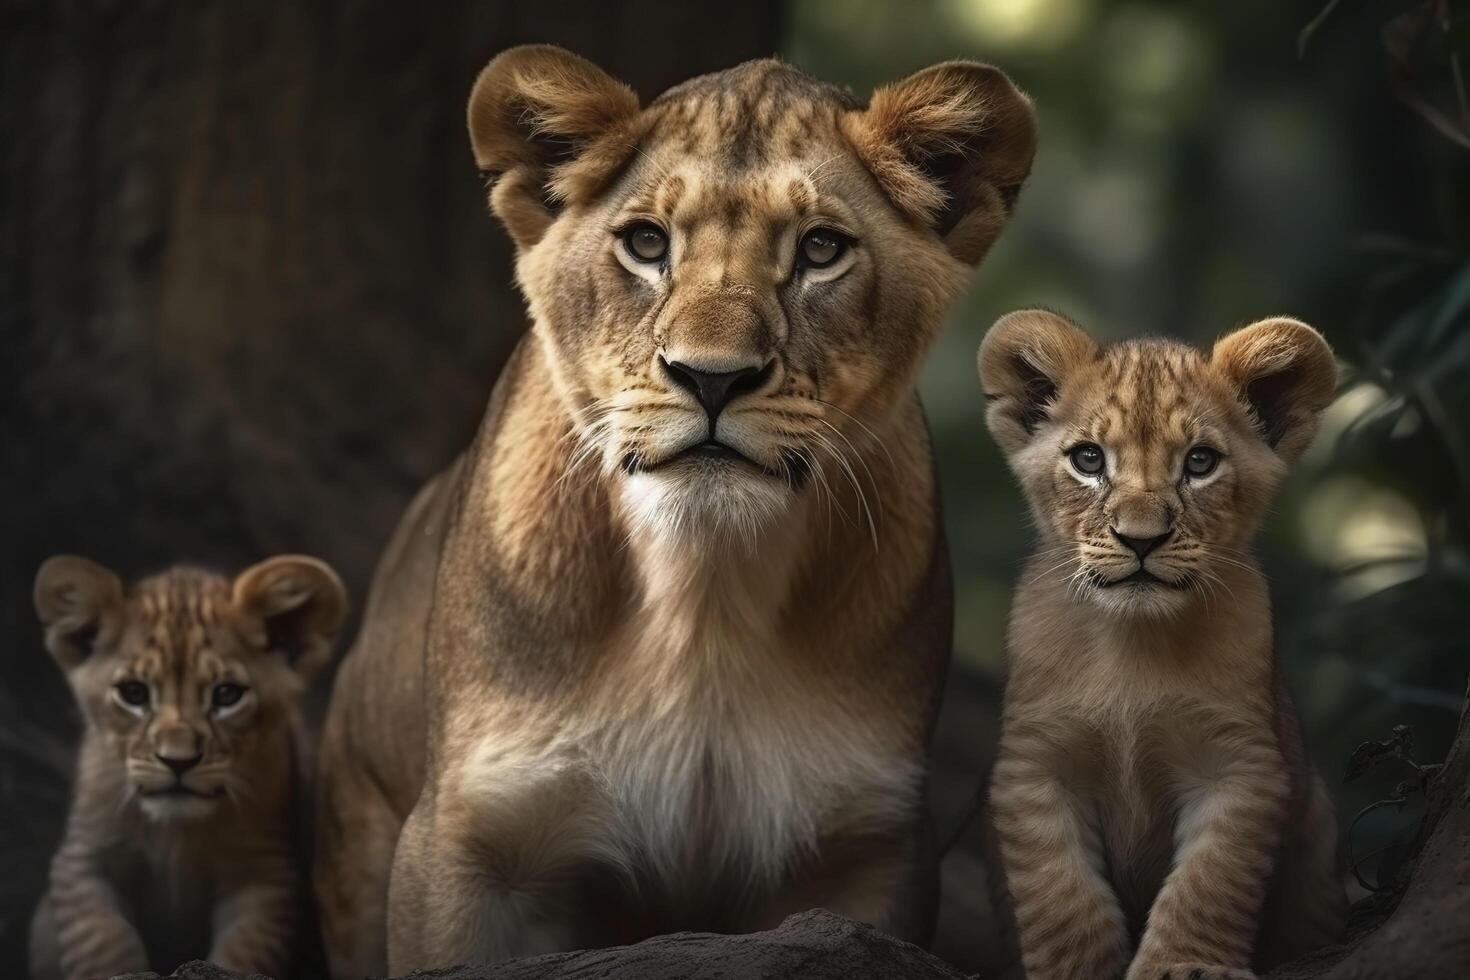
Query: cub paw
(1192,971)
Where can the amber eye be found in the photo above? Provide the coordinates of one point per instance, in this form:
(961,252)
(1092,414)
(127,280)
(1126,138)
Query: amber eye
(1087,459)
(821,247)
(646,242)
(227,694)
(1201,461)
(132,693)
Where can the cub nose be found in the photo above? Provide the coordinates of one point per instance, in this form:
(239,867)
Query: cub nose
(715,389)
(1141,546)
(180,765)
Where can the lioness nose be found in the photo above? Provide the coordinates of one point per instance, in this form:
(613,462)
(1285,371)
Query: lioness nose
(716,389)
(1141,546)
(180,765)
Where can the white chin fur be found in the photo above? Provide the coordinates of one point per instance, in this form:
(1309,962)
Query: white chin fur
(721,503)
(165,809)
(1149,602)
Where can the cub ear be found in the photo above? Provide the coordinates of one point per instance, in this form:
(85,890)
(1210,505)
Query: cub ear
(1023,360)
(951,145)
(302,603)
(1283,371)
(547,126)
(78,601)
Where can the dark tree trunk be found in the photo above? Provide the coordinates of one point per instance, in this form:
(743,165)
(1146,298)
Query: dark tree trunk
(251,296)
(1420,928)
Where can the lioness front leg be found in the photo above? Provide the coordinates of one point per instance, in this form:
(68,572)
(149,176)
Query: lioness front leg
(1203,922)
(1069,922)
(482,878)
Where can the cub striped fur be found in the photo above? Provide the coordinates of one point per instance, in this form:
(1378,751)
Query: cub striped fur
(1155,813)
(181,840)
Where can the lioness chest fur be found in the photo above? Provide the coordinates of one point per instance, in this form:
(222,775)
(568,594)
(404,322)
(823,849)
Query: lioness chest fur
(663,649)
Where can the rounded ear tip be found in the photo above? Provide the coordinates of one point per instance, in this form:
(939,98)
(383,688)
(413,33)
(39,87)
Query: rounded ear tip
(1030,319)
(327,584)
(523,55)
(1278,331)
(67,569)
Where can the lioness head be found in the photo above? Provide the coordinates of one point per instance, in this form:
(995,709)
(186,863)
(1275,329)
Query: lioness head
(1148,464)
(736,281)
(186,674)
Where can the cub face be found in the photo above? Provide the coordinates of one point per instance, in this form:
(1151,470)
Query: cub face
(1149,464)
(731,282)
(186,676)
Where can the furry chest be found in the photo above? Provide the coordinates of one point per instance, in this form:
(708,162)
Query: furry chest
(705,775)
(748,783)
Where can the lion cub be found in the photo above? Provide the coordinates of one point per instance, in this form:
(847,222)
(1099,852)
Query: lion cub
(181,841)
(1153,806)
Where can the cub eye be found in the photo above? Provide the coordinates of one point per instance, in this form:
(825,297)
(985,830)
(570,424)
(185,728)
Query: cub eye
(821,247)
(227,694)
(646,242)
(133,693)
(1087,458)
(1201,461)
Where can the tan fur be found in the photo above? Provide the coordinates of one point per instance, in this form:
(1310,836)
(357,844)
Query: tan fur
(1151,789)
(162,866)
(607,689)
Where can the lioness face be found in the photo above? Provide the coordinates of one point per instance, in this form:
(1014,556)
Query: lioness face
(188,679)
(726,329)
(1148,465)
(737,304)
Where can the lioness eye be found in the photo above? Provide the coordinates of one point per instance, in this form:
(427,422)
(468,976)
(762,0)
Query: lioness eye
(1087,459)
(227,694)
(821,247)
(1201,461)
(646,242)
(133,693)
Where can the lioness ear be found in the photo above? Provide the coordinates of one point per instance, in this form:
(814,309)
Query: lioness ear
(1023,360)
(1284,372)
(951,145)
(302,603)
(78,601)
(546,127)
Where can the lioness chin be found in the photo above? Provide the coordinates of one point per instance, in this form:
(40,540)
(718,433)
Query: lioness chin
(663,648)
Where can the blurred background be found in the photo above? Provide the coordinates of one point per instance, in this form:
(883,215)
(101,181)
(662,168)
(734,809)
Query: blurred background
(250,299)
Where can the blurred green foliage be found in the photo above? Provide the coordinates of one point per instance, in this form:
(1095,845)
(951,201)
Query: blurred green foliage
(1198,169)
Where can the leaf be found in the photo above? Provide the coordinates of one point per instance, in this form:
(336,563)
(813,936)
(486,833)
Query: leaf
(1399,38)
(1305,37)
(1397,746)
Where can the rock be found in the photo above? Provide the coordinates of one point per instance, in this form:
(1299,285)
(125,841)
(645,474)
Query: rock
(815,945)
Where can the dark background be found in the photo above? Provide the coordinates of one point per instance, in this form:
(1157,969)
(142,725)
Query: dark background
(250,299)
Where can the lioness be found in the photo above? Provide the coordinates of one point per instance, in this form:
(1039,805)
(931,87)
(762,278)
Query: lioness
(662,649)
(1155,811)
(182,840)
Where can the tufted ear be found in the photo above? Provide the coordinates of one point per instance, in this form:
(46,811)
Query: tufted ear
(302,603)
(951,145)
(1023,360)
(78,601)
(1284,372)
(547,126)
